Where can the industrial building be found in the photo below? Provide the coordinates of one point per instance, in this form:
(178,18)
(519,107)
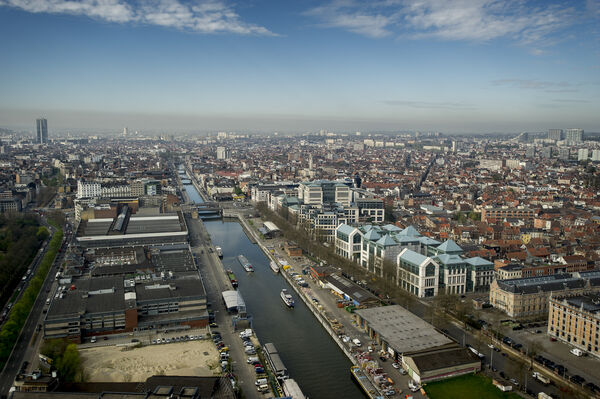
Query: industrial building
(425,353)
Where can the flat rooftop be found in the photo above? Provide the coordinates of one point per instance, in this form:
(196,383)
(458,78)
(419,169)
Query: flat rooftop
(402,330)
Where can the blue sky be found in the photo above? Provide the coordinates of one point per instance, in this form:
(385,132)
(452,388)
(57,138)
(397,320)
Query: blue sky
(446,65)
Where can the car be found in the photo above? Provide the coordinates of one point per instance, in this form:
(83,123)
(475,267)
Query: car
(214,325)
(259,370)
(224,349)
(491,346)
(514,382)
(383,358)
(356,342)
(577,379)
(134,340)
(345,338)
(168,340)
(413,386)
(396,365)
(93,340)
(257,365)
(153,342)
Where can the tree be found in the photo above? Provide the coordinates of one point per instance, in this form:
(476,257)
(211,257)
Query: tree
(69,364)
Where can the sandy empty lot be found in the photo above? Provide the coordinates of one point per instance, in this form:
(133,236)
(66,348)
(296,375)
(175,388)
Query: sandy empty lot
(115,364)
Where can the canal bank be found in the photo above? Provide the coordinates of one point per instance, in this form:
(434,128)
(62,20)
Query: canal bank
(305,347)
(320,369)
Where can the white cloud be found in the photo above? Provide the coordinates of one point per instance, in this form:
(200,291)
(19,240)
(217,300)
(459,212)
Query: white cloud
(356,17)
(212,16)
(469,20)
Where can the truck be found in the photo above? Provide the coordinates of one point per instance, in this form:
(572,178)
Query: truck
(541,378)
(577,352)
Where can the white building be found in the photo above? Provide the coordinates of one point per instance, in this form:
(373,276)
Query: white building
(88,189)
(417,274)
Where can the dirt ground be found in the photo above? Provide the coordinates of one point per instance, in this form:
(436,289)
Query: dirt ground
(116,364)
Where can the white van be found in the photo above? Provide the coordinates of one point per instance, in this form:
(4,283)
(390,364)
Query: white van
(356,342)
(577,352)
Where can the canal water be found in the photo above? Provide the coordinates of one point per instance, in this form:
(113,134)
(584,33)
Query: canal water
(309,353)
(312,358)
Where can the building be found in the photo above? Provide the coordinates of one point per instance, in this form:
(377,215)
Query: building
(504,213)
(425,353)
(42,130)
(222,153)
(574,136)
(596,155)
(120,297)
(418,274)
(575,320)
(373,247)
(583,154)
(88,189)
(323,191)
(528,297)
(555,134)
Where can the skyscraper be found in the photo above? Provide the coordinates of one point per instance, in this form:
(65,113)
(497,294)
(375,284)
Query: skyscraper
(574,136)
(42,130)
(555,134)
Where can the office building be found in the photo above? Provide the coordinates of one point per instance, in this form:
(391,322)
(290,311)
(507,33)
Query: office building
(555,134)
(582,154)
(528,297)
(595,155)
(42,130)
(574,136)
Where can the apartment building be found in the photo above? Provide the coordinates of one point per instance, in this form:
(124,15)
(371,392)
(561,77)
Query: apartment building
(503,213)
(575,320)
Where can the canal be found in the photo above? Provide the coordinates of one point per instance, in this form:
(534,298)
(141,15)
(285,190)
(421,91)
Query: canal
(312,358)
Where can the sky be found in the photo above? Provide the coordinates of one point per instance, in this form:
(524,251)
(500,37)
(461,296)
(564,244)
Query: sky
(472,66)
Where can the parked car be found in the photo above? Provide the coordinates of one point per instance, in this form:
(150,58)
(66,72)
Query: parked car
(413,386)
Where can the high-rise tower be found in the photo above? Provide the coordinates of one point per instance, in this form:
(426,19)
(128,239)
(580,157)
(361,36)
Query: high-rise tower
(42,130)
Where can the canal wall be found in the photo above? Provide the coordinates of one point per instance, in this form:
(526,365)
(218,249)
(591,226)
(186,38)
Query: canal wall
(252,235)
(199,189)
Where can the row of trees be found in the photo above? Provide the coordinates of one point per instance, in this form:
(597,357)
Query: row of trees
(20,238)
(19,312)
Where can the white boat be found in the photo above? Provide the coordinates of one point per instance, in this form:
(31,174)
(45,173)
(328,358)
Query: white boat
(287,298)
(219,252)
(274,267)
(245,264)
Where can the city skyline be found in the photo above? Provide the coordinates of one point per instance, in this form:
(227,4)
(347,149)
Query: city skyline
(493,66)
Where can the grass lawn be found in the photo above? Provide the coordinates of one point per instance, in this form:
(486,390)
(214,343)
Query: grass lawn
(467,387)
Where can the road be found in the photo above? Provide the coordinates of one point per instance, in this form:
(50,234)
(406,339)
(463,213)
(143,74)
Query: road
(24,346)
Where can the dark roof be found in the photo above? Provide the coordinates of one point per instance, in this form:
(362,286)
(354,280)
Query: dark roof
(440,359)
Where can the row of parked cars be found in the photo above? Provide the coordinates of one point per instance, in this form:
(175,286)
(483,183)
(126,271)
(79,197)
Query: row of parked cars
(562,371)
(181,338)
